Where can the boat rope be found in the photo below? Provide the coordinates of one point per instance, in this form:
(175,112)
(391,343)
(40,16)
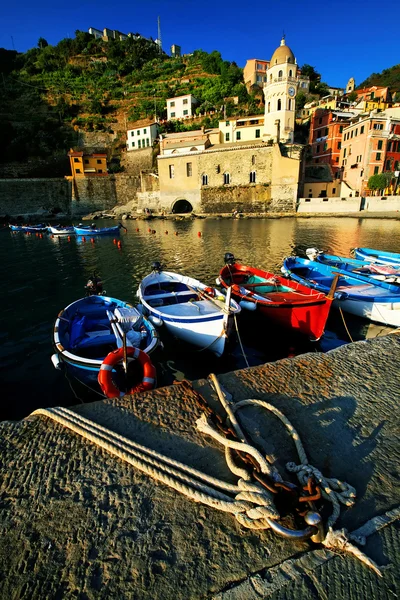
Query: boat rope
(335,491)
(240,340)
(249,502)
(344,323)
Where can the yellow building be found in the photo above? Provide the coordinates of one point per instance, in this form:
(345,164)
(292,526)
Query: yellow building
(241,129)
(88,164)
(255,73)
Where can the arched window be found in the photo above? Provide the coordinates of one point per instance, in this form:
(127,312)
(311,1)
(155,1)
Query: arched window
(289,59)
(227,178)
(252,176)
(194,149)
(253,159)
(280,74)
(269,106)
(270,77)
(290,72)
(289,104)
(204,180)
(279,105)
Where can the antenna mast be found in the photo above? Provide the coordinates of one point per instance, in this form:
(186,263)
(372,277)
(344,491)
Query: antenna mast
(159,33)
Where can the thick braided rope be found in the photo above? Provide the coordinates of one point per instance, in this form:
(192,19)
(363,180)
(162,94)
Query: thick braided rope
(336,491)
(240,505)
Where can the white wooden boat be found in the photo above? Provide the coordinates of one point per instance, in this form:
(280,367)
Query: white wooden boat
(190,310)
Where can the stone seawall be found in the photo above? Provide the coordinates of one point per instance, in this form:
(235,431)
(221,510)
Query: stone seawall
(104,193)
(25,197)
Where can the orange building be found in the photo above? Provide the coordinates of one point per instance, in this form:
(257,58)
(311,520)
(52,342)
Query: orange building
(255,73)
(325,139)
(88,164)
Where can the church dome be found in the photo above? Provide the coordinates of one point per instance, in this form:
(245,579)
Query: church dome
(282,54)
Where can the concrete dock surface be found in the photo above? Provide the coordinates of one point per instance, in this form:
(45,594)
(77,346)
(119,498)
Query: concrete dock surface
(77,522)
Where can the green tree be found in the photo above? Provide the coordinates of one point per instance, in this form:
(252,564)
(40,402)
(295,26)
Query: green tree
(379,181)
(42,43)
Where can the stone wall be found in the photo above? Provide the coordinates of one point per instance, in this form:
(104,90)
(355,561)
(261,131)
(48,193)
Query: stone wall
(104,193)
(225,199)
(135,161)
(328,205)
(29,197)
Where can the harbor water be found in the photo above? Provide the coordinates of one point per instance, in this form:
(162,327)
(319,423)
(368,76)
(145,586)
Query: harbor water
(42,275)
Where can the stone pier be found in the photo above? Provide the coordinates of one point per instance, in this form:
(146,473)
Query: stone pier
(78,522)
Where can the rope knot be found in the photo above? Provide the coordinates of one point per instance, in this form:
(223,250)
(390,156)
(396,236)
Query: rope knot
(255,504)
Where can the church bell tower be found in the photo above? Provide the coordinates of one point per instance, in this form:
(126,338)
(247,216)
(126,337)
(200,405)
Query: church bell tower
(280,92)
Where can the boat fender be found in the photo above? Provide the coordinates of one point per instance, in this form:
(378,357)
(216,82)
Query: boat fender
(210,291)
(341,295)
(156,320)
(57,363)
(218,281)
(248,305)
(104,378)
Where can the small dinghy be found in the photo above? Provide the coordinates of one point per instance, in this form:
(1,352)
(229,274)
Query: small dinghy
(190,310)
(93,230)
(377,256)
(60,230)
(289,303)
(94,335)
(357,294)
(30,228)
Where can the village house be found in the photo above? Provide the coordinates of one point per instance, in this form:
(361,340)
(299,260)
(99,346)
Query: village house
(254,73)
(181,107)
(87,163)
(142,134)
(370,145)
(325,138)
(245,129)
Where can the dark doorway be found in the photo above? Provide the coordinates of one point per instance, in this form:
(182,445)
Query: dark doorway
(182,206)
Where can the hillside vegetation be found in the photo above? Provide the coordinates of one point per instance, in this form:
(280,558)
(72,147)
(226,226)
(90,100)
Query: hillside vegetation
(52,92)
(388,78)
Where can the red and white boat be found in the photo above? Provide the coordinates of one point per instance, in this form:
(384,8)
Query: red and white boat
(287,303)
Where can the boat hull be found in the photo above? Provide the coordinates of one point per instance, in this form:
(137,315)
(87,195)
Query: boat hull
(190,317)
(377,256)
(288,304)
(61,230)
(95,231)
(84,362)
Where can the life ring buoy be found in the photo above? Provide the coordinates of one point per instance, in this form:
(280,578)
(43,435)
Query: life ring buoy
(104,377)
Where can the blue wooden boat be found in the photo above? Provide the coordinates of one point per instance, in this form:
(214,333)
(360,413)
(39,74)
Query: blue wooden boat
(41,228)
(357,294)
(388,273)
(377,256)
(191,311)
(93,230)
(97,328)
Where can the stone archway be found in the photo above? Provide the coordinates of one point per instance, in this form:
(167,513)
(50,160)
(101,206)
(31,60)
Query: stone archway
(182,206)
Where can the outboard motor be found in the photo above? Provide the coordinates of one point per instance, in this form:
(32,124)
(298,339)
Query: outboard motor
(94,286)
(156,266)
(229,258)
(312,253)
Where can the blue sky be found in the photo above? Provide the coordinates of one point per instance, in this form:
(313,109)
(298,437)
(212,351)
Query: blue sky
(340,40)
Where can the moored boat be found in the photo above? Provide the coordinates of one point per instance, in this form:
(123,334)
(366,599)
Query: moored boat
(100,329)
(93,230)
(190,310)
(377,256)
(357,294)
(291,304)
(60,230)
(40,228)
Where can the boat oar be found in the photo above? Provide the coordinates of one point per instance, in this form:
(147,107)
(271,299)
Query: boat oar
(125,358)
(331,294)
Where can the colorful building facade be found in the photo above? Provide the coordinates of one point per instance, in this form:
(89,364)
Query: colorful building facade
(88,164)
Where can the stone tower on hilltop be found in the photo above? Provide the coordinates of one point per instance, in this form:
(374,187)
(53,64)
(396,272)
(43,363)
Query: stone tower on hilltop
(280,90)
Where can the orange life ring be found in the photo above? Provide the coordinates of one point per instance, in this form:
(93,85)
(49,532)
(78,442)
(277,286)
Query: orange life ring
(104,376)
